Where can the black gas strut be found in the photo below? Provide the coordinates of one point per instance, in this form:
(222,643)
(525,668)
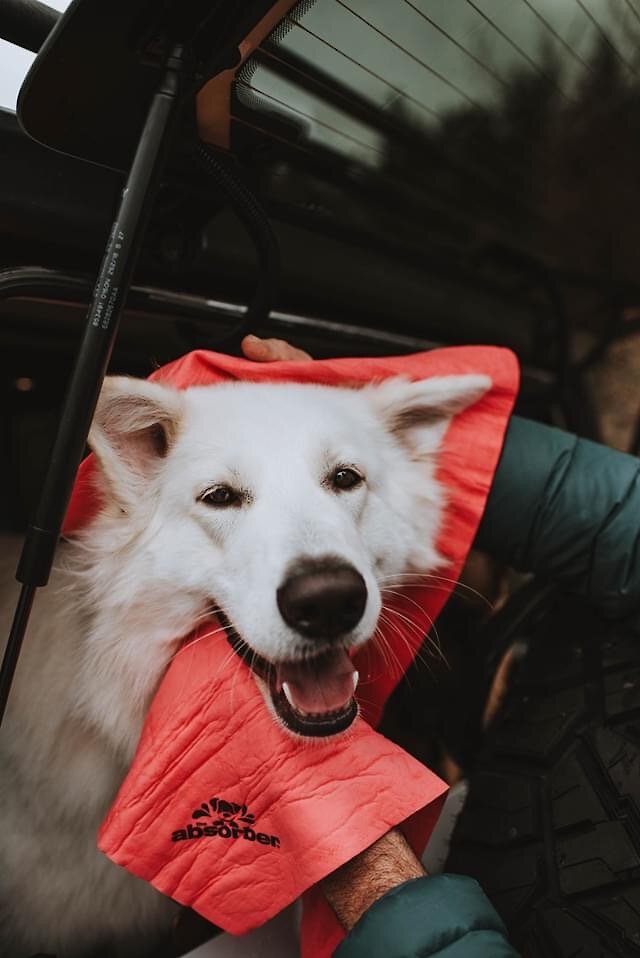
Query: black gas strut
(101,327)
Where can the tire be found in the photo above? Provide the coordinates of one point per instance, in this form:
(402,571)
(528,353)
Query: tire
(551,828)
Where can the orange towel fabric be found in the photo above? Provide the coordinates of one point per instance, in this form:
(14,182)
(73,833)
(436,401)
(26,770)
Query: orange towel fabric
(222,809)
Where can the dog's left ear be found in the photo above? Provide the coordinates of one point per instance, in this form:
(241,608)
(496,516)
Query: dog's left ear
(418,413)
(134,426)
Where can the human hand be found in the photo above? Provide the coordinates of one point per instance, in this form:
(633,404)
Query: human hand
(271,350)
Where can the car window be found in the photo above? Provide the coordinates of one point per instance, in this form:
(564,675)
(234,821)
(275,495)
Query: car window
(428,63)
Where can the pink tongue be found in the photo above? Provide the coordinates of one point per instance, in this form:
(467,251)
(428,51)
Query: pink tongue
(325,685)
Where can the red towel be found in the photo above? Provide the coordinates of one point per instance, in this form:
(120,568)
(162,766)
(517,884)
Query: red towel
(223,810)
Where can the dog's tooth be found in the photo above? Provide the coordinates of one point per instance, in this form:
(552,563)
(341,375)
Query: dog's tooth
(355,678)
(288,695)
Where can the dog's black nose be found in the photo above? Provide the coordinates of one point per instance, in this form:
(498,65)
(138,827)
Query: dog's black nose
(324,601)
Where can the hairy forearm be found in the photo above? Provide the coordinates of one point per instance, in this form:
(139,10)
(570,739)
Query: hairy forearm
(354,887)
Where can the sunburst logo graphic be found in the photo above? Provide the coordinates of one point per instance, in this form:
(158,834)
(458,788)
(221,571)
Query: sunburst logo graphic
(228,820)
(226,811)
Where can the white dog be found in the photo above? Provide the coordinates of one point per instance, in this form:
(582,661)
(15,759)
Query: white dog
(288,507)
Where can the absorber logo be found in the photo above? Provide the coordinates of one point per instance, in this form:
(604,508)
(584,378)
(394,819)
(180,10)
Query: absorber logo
(226,820)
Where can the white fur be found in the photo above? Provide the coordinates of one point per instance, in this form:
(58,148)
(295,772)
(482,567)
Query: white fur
(152,563)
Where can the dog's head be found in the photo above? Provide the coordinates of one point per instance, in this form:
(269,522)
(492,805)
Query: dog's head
(286,507)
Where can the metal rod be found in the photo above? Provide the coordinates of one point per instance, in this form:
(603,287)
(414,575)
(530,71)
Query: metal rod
(14,644)
(101,327)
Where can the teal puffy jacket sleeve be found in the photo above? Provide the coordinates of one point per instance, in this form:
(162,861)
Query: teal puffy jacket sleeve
(447,916)
(569,510)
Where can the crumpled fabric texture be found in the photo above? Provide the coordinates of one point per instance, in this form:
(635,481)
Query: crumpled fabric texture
(226,812)
(222,809)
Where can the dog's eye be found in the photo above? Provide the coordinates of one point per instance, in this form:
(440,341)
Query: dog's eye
(220,497)
(346,478)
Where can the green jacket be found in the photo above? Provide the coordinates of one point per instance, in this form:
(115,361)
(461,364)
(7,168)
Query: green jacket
(447,915)
(569,510)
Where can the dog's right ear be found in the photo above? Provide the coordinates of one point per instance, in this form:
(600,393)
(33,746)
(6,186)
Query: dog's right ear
(134,426)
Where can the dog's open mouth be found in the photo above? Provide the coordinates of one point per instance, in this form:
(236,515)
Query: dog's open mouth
(316,697)
(312,697)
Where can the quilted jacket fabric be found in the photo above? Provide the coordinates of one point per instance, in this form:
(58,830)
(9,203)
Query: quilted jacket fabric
(567,509)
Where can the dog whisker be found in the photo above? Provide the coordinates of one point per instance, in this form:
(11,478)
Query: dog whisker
(395,665)
(406,598)
(397,631)
(423,634)
(417,630)
(457,585)
(420,632)
(369,675)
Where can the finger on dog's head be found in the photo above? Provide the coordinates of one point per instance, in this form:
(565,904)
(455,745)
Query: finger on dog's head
(271,350)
